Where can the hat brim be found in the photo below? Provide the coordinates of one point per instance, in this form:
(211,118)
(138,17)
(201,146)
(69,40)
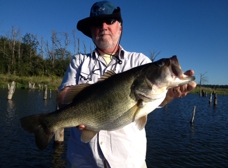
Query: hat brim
(85,24)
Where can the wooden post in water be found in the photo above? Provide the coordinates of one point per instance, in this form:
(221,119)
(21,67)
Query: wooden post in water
(50,94)
(204,93)
(210,99)
(193,115)
(59,136)
(215,99)
(33,86)
(11,90)
(39,87)
(29,85)
(45,92)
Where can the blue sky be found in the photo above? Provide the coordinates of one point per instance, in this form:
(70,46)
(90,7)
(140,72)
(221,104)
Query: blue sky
(194,30)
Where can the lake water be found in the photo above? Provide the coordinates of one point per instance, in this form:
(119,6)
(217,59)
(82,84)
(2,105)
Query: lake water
(172,140)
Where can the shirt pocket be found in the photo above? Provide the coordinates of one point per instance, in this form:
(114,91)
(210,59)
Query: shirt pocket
(90,72)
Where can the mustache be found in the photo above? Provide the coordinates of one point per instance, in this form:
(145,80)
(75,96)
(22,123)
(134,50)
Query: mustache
(103,33)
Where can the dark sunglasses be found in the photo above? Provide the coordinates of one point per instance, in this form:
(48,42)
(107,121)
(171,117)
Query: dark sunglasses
(108,21)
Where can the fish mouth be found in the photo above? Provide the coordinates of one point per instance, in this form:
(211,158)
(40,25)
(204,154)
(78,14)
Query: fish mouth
(181,78)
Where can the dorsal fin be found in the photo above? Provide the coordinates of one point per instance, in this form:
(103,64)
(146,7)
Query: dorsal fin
(106,75)
(72,92)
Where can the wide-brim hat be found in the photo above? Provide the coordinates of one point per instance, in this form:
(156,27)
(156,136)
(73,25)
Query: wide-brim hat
(99,10)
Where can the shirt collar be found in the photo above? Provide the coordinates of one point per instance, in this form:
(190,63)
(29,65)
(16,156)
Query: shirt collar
(95,54)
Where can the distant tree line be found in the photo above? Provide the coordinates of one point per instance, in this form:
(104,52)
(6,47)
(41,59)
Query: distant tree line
(215,86)
(29,56)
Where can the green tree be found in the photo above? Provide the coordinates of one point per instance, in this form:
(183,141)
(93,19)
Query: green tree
(29,53)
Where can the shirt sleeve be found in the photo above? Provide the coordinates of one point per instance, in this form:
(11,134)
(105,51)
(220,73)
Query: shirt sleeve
(72,73)
(144,59)
(138,59)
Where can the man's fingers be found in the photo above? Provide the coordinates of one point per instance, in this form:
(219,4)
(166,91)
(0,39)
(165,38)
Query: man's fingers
(191,85)
(189,72)
(183,90)
(81,127)
(177,92)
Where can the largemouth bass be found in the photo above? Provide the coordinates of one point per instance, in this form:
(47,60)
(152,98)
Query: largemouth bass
(113,102)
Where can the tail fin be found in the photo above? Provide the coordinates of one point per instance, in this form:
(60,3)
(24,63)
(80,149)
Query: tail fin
(33,124)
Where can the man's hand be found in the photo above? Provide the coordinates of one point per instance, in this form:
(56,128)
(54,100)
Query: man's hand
(181,90)
(81,127)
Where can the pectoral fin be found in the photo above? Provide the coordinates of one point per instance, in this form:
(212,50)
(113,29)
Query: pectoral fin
(141,122)
(87,135)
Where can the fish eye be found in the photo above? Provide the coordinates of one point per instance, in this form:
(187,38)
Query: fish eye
(160,62)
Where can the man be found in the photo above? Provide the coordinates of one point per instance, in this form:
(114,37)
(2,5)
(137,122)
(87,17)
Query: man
(126,147)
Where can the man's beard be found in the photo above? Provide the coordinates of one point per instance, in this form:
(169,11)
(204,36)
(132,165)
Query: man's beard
(106,42)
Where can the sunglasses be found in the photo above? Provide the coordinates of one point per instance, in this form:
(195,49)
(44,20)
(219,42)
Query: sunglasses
(108,21)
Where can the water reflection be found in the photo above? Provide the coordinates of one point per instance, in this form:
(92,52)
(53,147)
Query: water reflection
(10,107)
(45,103)
(57,160)
(192,129)
(10,113)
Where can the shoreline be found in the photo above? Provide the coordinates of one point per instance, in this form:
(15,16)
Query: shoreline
(53,82)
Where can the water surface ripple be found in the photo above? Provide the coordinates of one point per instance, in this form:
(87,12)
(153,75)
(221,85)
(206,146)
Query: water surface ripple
(174,142)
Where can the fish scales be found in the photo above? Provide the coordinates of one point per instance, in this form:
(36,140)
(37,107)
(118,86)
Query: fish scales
(105,98)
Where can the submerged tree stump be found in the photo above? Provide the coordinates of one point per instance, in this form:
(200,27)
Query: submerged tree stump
(193,115)
(59,136)
(210,99)
(40,87)
(215,99)
(50,94)
(11,90)
(45,92)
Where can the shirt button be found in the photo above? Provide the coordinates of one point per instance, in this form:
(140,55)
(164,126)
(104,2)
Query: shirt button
(101,143)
